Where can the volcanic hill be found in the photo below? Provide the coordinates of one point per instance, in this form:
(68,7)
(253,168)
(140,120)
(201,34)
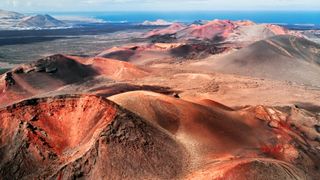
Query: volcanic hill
(285,58)
(85,136)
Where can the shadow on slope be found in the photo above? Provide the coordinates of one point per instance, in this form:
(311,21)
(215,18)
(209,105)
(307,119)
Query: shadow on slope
(284,58)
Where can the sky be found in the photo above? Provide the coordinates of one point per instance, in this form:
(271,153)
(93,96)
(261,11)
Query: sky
(155,5)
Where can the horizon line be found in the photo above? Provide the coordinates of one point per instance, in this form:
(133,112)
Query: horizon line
(139,11)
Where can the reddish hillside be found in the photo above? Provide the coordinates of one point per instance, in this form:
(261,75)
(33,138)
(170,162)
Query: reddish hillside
(223,30)
(56,71)
(113,69)
(283,58)
(236,139)
(172,29)
(217,29)
(145,54)
(70,137)
(149,114)
(79,136)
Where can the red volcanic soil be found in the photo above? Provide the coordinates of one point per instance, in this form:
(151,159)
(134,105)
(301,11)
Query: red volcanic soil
(42,76)
(146,54)
(194,41)
(141,54)
(161,137)
(70,137)
(56,71)
(113,69)
(244,23)
(225,143)
(121,53)
(68,117)
(277,30)
(172,29)
(224,30)
(214,29)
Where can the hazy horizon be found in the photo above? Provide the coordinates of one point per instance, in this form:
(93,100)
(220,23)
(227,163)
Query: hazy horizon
(157,5)
(310,17)
(160,11)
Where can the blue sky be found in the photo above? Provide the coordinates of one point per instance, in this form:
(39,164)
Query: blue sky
(156,5)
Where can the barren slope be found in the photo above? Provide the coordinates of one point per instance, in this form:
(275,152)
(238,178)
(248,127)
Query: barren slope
(56,71)
(224,143)
(239,32)
(67,137)
(41,21)
(285,58)
(81,136)
(147,54)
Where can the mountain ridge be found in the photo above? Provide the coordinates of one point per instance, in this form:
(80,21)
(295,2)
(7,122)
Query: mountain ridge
(10,20)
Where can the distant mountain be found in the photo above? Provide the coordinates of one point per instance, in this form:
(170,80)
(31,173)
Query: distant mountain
(41,21)
(9,19)
(10,15)
(14,21)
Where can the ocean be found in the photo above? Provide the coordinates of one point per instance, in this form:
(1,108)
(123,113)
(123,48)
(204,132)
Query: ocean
(278,17)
